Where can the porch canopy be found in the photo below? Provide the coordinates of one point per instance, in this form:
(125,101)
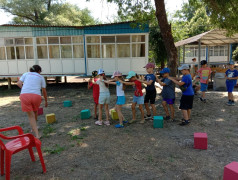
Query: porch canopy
(214,37)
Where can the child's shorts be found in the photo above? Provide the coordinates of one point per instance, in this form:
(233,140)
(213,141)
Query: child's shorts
(121,100)
(104,98)
(30,102)
(150,96)
(169,101)
(230,85)
(203,87)
(138,99)
(186,102)
(96,98)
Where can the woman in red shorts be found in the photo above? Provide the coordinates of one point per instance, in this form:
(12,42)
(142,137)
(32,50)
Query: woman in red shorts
(31,84)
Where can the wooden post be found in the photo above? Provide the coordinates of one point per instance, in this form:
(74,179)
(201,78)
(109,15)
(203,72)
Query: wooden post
(65,79)
(199,53)
(45,80)
(9,83)
(183,54)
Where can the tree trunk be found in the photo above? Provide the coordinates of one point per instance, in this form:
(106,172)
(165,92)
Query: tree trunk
(166,32)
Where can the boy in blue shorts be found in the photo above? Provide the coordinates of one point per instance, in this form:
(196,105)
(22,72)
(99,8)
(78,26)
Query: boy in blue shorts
(204,72)
(231,80)
(168,93)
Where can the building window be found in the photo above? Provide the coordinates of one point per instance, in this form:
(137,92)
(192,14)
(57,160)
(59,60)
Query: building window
(42,52)
(138,50)
(138,38)
(29,52)
(216,51)
(9,42)
(78,51)
(108,39)
(77,39)
(65,40)
(123,50)
(123,39)
(54,52)
(53,40)
(93,51)
(10,53)
(28,41)
(211,49)
(2,53)
(93,39)
(66,51)
(108,51)
(41,40)
(20,52)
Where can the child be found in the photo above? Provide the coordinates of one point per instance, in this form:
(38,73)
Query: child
(104,98)
(150,90)
(196,84)
(186,102)
(95,92)
(204,73)
(231,80)
(168,93)
(121,99)
(138,97)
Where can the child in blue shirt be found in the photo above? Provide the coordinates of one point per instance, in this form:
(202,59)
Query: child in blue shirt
(186,101)
(168,93)
(231,80)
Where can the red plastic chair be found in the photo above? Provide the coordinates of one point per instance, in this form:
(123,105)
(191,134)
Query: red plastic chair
(18,143)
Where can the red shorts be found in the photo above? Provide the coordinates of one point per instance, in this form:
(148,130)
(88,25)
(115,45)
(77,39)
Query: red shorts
(30,102)
(96,99)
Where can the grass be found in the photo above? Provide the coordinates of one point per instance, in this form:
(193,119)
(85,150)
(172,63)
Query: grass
(47,130)
(56,149)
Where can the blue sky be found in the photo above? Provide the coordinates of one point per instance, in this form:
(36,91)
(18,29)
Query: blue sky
(100,9)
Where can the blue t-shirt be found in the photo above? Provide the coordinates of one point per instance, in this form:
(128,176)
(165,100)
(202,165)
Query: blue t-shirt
(149,77)
(187,79)
(168,91)
(232,73)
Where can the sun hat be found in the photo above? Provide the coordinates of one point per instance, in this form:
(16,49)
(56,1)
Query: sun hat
(94,73)
(150,65)
(165,70)
(231,63)
(130,74)
(203,62)
(116,73)
(184,66)
(101,71)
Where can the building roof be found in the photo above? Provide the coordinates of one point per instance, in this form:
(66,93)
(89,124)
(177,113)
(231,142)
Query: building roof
(210,38)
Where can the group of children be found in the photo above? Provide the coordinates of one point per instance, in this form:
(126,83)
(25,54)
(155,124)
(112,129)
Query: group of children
(188,86)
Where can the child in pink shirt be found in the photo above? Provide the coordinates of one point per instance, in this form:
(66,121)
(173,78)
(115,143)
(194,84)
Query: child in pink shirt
(204,73)
(95,91)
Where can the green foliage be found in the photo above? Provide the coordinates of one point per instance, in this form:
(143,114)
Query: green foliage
(51,12)
(223,13)
(192,20)
(235,54)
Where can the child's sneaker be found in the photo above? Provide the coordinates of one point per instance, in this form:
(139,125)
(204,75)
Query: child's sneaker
(132,121)
(119,126)
(167,118)
(107,123)
(183,123)
(229,103)
(125,121)
(142,121)
(98,123)
(147,116)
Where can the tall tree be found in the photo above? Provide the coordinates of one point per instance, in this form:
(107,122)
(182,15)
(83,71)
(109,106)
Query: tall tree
(141,8)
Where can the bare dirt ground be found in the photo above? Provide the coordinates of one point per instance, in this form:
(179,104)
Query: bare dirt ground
(78,149)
